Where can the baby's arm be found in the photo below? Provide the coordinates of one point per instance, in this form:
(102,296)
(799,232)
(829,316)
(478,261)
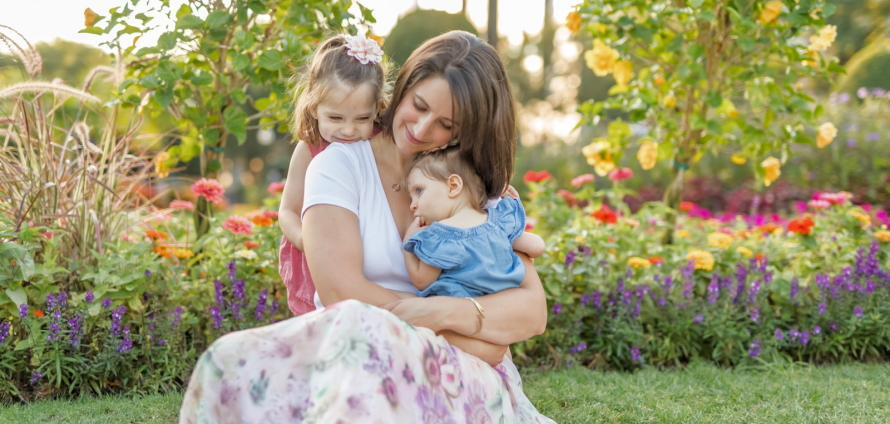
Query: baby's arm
(292,199)
(421,273)
(529,243)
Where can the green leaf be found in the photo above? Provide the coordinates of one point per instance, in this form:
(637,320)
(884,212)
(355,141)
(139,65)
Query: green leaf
(202,78)
(183,11)
(197,115)
(238,95)
(367,14)
(696,3)
(167,41)
(91,30)
(214,165)
(129,29)
(169,71)
(24,268)
(714,99)
(828,10)
(189,148)
(271,60)
(642,32)
(218,18)
(818,112)
(24,344)
(235,121)
(707,15)
(147,50)
(240,62)
(189,22)
(149,81)
(244,39)
(746,43)
(17,296)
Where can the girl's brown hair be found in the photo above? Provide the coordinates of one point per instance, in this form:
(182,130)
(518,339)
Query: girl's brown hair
(331,64)
(441,164)
(481,94)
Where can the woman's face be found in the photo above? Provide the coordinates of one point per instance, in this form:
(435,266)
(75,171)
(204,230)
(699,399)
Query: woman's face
(424,119)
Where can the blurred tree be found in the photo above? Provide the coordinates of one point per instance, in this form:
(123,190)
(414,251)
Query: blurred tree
(418,26)
(868,68)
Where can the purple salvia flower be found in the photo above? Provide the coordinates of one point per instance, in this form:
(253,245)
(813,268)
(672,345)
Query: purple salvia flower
(804,338)
(832,326)
(755,314)
(557,308)
(106,303)
(858,311)
(629,272)
(661,301)
(636,310)
(62,298)
(585,299)
(89,297)
(713,289)
(581,346)
(687,288)
(822,308)
(752,292)
(217,317)
(35,377)
(261,305)
(768,278)
(635,355)
(162,342)
(177,314)
(218,288)
(127,343)
(53,332)
(779,334)
(75,329)
(597,299)
(873,136)
(151,327)
(23,311)
(668,285)
(274,308)
(238,289)
(628,295)
(146,295)
(793,334)
(754,350)
(4,332)
(619,288)
(795,289)
(570,258)
(236,310)
(870,286)
(817,330)
(741,276)
(148,273)
(50,302)
(688,269)
(699,318)
(116,315)
(232,268)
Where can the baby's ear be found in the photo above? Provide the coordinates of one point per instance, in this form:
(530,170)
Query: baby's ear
(455,185)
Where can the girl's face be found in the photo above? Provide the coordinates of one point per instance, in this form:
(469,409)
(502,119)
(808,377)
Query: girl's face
(430,199)
(347,113)
(424,119)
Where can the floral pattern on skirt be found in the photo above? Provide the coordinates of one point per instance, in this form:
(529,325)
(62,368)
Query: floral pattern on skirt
(350,363)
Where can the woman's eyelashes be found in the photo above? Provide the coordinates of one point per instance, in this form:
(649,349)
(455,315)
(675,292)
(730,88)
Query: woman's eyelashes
(422,109)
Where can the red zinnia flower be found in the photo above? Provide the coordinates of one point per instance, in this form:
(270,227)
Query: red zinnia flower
(182,205)
(534,177)
(38,313)
(621,174)
(238,225)
(569,197)
(251,245)
(655,260)
(605,215)
(687,206)
(209,189)
(581,179)
(275,187)
(802,226)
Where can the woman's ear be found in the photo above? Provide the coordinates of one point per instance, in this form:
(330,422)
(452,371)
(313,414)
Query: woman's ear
(455,185)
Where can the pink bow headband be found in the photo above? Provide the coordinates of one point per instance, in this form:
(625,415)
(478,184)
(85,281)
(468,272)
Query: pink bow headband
(363,49)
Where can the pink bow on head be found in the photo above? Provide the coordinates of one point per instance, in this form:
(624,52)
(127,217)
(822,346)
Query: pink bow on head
(363,49)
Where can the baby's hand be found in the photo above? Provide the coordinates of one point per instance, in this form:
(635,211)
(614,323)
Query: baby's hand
(510,192)
(415,226)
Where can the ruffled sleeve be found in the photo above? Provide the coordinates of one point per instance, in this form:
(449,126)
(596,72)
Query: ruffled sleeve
(434,247)
(510,216)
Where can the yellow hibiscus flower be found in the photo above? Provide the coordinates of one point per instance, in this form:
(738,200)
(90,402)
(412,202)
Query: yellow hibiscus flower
(738,159)
(573,22)
(771,167)
(825,135)
(601,59)
(648,154)
(623,71)
(770,12)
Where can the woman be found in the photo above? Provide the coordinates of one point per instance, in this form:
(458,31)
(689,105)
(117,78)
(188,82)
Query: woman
(352,362)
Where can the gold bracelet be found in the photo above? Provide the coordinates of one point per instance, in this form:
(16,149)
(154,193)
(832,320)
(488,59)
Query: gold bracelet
(480,316)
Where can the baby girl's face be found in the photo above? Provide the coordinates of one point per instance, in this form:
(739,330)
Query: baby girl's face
(347,113)
(429,198)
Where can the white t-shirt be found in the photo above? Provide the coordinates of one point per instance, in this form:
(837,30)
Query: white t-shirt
(346,175)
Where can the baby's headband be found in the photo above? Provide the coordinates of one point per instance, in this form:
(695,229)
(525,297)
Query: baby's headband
(363,49)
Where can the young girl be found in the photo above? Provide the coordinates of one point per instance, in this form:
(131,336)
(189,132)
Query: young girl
(338,100)
(454,247)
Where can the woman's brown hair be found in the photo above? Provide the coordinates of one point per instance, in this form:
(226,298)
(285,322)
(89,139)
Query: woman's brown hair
(481,95)
(331,64)
(441,164)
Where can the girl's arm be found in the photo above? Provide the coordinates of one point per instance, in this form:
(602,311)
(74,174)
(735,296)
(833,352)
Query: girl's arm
(511,315)
(531,244)
(334,253)
(422,274)
(292,199)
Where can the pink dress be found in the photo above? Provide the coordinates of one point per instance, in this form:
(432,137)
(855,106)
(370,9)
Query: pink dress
(294,270)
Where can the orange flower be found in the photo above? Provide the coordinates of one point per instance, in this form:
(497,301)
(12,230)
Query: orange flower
(38,313)
(155,235)
(573,22)
(162,250)
(605,215)
(261,220)
(536,176)
(802,226)
(656,260)
(768,228)
(686,206)
(251,245)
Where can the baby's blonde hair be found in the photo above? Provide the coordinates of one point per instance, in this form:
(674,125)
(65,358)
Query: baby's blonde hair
(441,164)
(331,64)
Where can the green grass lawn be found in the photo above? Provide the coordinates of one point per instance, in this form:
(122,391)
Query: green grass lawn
(700,394)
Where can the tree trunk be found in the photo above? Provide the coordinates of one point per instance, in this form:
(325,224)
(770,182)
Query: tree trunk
(493,23)
(211,164)
(672,197)
(547,36)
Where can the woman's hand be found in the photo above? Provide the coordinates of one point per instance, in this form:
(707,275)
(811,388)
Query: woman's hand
(427,312)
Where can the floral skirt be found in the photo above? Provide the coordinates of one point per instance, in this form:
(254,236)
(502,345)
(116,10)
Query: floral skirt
(350,363)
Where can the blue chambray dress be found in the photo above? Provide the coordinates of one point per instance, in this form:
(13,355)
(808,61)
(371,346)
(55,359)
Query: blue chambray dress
(474,261)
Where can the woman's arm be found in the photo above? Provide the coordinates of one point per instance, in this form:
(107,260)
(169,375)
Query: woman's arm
(511,315)
(492,354)
(335,257)
(292,199)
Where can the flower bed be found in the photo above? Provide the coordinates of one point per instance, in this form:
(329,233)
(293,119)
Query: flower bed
(730,289)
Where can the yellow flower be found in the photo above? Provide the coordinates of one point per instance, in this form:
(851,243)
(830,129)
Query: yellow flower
(376,38)
(579,239)
(183,253)
(744,250)
(825,135)
(681,233)
(598,156)
(864,218)
(601,59)
(658,80)
(703,259)
(623,71)
(812,58)
(604,167)
(637,262)
(771,167)
(161,165)
(632,222)
(89,17)
(720,240)
(573,22)
(669,101)
(883,236)
(824,39)
(648,154)
(770,12)
(601,27)
(738,159)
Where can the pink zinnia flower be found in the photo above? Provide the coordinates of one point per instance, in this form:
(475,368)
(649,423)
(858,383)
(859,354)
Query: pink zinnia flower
(818,204)
(839,198)
(621,174)
(275,187)
(182,205)
(211,190)
(581,179)
(238,225)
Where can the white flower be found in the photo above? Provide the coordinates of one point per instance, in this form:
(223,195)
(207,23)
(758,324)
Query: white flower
(246,254)
(363,49)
